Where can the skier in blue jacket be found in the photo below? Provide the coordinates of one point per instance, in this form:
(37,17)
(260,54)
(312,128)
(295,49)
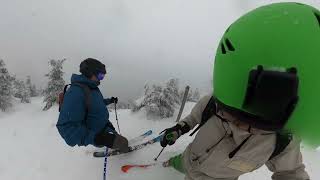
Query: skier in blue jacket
(96,129)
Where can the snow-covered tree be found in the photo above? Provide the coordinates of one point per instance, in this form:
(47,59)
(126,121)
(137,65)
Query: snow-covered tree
(5,87)
(17,88)
(28,84)
(159,100)
(120,105)
(34,91)
(31,87)
(55,84)
(171,91)
(40,91)
(195,96)
(153,101)
(21,91)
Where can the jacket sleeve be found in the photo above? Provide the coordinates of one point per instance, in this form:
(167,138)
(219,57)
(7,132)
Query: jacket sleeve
(288,164)
(71,119)
(107,101)
(195,116)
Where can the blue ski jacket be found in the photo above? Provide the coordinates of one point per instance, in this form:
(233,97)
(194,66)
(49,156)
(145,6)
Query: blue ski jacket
(71,124)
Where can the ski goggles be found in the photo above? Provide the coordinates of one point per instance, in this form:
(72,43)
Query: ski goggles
(100,76)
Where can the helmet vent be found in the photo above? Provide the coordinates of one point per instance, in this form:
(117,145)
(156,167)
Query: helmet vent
(229,45)
(223,49)
(318,17)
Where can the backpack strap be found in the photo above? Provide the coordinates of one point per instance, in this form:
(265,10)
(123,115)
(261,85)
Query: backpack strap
(87,96)
(61,96)
(207,113)
(283,139)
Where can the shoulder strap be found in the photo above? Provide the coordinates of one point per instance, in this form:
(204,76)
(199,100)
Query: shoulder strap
(207,113)
(87,96)
(62,95)
(283,139)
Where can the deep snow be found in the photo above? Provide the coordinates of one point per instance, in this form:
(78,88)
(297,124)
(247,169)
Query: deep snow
(31,149)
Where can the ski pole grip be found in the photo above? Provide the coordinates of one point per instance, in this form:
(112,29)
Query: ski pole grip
(170,137)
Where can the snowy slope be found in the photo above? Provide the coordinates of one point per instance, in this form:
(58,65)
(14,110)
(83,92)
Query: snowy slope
(31,149)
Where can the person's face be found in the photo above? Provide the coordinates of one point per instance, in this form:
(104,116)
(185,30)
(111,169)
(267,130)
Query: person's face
(98,77)
(94,78)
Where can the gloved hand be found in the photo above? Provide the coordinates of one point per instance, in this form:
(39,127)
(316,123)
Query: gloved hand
(172,134)
(113,141)
(121,143)
(114,100)
(104,139)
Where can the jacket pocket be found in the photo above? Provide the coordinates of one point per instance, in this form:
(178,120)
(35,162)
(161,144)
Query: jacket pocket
(242,165)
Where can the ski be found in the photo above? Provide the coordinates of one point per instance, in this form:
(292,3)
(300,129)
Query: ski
(140,138)
(101,153)
(128,167)
(131,148)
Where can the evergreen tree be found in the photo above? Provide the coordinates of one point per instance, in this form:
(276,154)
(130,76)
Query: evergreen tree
(28,83)
(5,87)
(17,88)
(159,100)
(26,93)
(195,96)
(55,84)
(21,91)
(171,91)
(31,87)
(34,91)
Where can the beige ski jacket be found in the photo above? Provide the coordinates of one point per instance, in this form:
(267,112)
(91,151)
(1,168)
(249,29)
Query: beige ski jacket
(207,157)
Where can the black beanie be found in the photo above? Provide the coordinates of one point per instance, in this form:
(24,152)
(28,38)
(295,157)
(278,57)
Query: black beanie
(91,66)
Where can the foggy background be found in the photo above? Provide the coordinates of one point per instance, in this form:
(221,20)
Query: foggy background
(138,40)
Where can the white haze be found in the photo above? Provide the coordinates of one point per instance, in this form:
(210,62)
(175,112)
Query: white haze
(138,40)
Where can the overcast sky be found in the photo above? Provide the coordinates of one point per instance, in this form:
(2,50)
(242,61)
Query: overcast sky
(138,40)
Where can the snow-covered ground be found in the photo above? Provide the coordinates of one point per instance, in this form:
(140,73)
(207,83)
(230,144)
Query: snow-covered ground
(31,149)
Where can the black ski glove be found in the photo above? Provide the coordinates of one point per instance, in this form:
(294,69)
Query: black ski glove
(172,134)
(104,139)
(114,100)
(113,141)
(121,143)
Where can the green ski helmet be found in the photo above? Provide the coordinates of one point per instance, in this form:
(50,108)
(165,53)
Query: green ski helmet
(266,69)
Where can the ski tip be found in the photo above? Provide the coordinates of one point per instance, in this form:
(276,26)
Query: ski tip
(148,133)
(158,139)
(125,168)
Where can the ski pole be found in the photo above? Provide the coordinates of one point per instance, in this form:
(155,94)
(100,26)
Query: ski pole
(115,110)
(169,137)
(156,159)
(105,166)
